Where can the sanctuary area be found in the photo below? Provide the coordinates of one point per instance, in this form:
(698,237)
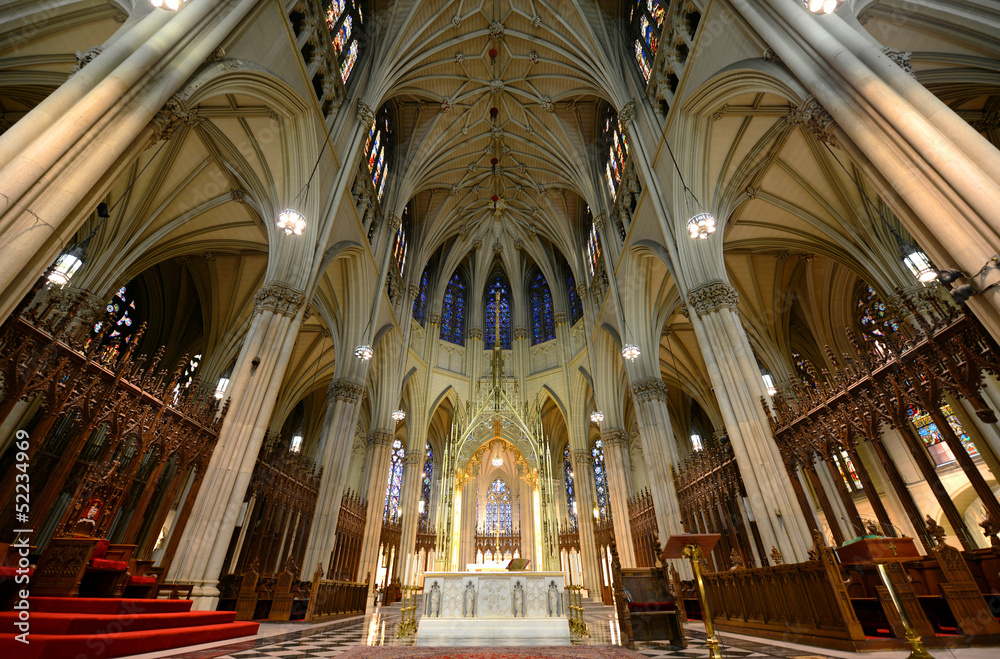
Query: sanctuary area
(409,328)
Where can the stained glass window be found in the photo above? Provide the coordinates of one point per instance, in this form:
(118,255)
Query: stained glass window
(187,378)
(391,511)
(497,284)
(498,510)
(401,245)
(932,438)
(647,19)
(847,471)
(378,154)
(543,324)
(802,366)
(425,484)
(122,312)
(601,480)
(453,311)
(616,150)
(344,20)
(570,488)
(420,301)
(593,247)
(575,306)
(873,320)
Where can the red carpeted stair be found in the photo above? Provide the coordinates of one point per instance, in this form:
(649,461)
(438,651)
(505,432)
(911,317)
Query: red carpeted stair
(76,627)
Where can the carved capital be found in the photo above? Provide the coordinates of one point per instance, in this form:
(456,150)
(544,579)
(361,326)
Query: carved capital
(713,296)
(581,290)
(365,114)
(649,389)
(900,58)
(413,458)
(520,333)
(581,458)
(599,220)
(217,55)
(814,118)
(476,333)
(171,116)
(84,58)
(413,289)
(560,317)
(627,114)
(344,390)
(614,438)
(380,438)
(435,318)
(395,222)
(278,298)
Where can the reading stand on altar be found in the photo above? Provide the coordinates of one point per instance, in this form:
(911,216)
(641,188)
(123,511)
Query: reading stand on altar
(883,552)
(694,547)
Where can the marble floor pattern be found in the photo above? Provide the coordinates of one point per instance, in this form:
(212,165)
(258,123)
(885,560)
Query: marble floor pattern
(297,641)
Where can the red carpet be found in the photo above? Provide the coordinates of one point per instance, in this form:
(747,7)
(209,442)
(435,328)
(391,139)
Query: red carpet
(79,628)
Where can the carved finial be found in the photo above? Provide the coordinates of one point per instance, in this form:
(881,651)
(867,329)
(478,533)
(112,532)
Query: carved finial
(776,556)
(736,561)
(935,530)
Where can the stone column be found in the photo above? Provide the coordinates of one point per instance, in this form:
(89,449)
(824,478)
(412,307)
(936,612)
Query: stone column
(254,387)
(619,488)
(409,501)
(334,453)
(379,452)
(739,388)
(583,478)
(660,448)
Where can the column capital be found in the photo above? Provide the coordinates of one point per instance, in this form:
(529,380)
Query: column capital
(413,290)
(581,458)
(520,333)
(476,333)
(344,389)
(560,317)
(413,457)
(901,59)
(713,296)
(171,116)
(615,437)
(434,318)
(627,113)
(395,221)
(365,114)
(814,118)
(278,298)
(599,220)
(380,438)
(649,389)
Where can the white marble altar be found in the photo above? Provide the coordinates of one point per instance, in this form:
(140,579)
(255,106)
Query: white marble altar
(462,608)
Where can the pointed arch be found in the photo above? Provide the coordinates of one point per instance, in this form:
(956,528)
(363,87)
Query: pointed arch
(543,324)
(456,300)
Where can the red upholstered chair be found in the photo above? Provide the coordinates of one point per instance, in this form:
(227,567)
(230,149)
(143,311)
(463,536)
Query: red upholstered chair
(141,584)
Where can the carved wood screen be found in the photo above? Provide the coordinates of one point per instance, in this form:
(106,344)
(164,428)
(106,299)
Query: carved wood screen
(350,533)
(645,533)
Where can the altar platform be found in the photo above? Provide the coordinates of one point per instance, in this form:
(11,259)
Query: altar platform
(462,608)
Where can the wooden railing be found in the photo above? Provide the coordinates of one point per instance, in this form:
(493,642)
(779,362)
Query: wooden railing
(329,598)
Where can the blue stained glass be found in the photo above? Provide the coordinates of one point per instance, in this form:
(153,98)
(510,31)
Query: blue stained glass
(601,480)
(118,308)
(391,511)
(498,510)
(570,488)
(425,485)
(543,325)
(498,284)
(453,311)
(575,306)
(420,302)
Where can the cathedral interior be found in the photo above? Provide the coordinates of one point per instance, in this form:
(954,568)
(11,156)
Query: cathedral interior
(302,300)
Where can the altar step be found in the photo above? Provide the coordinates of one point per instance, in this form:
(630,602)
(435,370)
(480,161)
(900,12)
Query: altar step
(80,628)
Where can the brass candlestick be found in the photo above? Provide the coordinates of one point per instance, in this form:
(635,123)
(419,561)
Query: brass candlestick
(917,649)
(693,553)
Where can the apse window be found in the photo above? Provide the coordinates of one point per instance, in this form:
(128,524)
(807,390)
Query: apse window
(696,442)
(296,446)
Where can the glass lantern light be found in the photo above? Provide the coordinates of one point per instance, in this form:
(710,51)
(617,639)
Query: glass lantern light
(498,461)
(920,266)
(398,415)
(822,6)
(291,222)
(631,352)
(596,417)
(364,352)
(701,226)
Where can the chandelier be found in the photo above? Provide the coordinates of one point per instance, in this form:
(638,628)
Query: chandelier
(631,352)
(822,6)
(172,5)
(498,461)
(364,352)
(596,417)
(701,226)
(398,415)
(291,222)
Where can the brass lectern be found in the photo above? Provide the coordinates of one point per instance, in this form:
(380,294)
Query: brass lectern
(694,547)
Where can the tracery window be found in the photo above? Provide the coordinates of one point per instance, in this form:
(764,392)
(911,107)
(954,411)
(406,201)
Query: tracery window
(497,284)
(543,324)
(873,321)
(187,377)
(847,471)
(601,480)
(453,311)
(617,151)
(802,366)
(498,509)
(570,488)
(425,484)
(575,306)
(378,149)
(344,20)
(122,312)
(593,247)
(401,244)
(646,18)
(391,511)
(420,301)
(931,436)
